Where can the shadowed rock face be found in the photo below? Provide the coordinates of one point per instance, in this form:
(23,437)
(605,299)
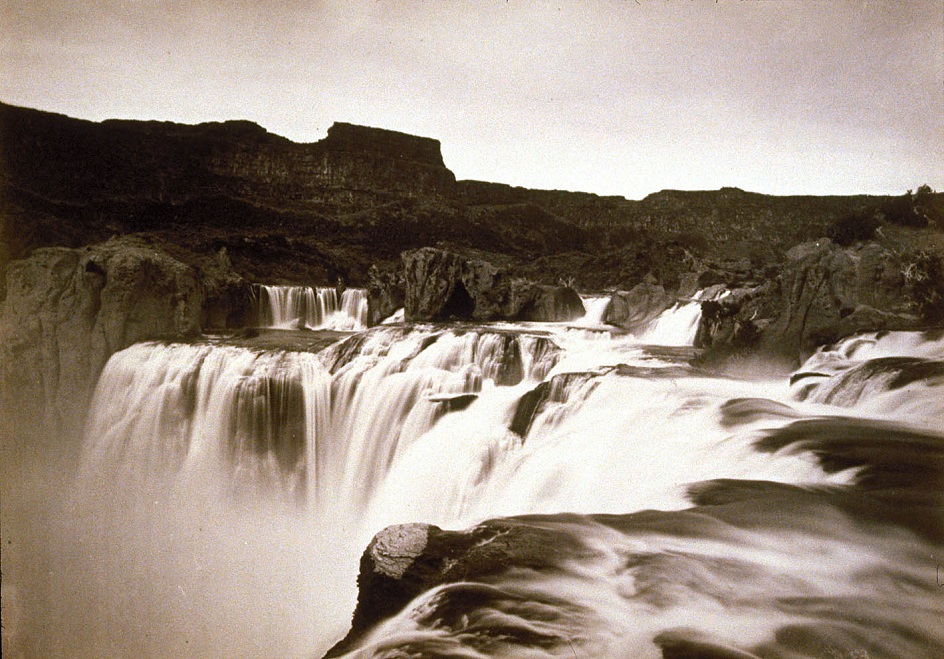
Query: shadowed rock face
(638,307)
(822,293)
(444,285)
(72,160)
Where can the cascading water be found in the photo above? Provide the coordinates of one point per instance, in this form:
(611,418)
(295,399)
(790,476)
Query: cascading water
(675,327)
(294,307)
(700,510)
(891,374)
(596,306)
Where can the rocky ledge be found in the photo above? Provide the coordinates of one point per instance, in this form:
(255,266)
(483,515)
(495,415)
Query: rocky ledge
(67,310)
(824,292)
(439,284)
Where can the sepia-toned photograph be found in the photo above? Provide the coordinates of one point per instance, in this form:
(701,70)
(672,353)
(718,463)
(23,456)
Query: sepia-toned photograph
(471,329)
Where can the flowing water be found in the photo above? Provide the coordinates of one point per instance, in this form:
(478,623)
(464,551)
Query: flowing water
(226,492)
(290,307)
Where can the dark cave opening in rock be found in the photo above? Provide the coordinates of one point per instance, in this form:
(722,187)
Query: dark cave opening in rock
(459,304)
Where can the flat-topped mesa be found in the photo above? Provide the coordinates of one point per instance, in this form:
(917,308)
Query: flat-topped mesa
(359,159)
(390,143)
(122,161)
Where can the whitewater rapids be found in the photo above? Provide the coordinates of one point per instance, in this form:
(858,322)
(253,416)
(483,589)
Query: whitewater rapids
(225,494)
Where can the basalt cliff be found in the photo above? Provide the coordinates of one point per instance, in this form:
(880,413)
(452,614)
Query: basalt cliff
(122,231)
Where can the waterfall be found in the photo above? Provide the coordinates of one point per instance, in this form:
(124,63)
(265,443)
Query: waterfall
(305,424)
(226,493)
(314,308)
(596,306)
(676,326)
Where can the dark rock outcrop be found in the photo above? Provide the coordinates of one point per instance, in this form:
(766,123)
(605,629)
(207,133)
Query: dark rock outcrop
(823,293)
(405,560)
(385,293)
(552,304)
(733,323)
(828,292)
(445,285)
(635,309)
(170,163)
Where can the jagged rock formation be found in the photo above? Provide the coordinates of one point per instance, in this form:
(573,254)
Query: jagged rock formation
(67,310)
(823,293)
(444,285)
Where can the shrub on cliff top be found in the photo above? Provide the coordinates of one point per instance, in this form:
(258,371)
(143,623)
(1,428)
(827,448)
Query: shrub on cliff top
(901,210)
(924,275)
(860,225)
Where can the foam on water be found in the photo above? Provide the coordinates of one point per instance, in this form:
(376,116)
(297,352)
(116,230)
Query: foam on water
(276,463)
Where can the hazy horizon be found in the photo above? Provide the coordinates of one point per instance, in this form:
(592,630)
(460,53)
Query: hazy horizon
(612,97)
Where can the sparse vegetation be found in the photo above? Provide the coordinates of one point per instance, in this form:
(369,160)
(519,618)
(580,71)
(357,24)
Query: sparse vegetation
(924,275)
(857,226)
(901,210)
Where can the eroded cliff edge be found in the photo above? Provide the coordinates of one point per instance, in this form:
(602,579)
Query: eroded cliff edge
(313,213)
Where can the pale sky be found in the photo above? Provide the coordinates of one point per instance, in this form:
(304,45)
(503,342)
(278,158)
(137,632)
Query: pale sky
(622,97)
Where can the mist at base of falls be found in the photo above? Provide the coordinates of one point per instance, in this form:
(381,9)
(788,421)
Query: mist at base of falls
(225,493)
(174,578)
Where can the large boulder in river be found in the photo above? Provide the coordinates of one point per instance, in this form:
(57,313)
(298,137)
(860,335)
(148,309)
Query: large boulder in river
(551,304)
(437,284)
(638,307)
(67,310)
(445,285)
(827,292)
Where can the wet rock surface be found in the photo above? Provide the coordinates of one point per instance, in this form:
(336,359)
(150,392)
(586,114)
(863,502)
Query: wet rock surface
(446,285)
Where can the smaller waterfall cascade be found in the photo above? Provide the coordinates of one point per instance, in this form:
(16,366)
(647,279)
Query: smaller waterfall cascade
(675,327)
(293,307)
(167,414)
(596,306)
